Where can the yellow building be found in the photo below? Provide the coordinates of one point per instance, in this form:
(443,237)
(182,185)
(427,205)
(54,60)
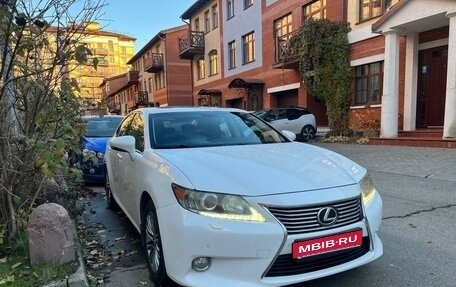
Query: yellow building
(112,50)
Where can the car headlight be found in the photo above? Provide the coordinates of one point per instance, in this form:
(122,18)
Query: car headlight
(216,204)
(91,153)
(367,189)
(88,152)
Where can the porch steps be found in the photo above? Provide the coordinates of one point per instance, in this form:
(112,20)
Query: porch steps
(418,138)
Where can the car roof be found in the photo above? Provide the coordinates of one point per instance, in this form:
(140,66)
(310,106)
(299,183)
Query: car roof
(159,110)
(103,116)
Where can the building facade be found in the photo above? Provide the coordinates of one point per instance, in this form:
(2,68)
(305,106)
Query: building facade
(164,78)
(112,52)
(403,76)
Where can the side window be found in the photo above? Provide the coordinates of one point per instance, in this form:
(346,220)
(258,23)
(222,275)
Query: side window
(281,114)
(293,114)
(137,131)
(124,126)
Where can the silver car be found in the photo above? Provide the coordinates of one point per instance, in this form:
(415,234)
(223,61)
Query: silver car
(295,119)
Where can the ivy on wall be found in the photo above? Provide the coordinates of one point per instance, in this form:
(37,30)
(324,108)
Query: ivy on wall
(323,50)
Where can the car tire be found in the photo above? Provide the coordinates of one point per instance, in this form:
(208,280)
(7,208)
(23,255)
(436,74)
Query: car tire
(110,200)
(307,133)
(150,236)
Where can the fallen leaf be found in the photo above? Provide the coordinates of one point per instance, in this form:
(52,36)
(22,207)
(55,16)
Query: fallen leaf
(16,265)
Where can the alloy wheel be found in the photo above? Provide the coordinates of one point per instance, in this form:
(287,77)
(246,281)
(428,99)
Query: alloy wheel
(153,247)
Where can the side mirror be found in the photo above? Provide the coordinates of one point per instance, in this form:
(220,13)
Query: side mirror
(124,143)
(289,135)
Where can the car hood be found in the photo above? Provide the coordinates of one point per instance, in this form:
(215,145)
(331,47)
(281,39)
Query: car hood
(95,143)
(256,170)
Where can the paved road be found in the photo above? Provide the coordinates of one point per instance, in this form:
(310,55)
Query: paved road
(418,187)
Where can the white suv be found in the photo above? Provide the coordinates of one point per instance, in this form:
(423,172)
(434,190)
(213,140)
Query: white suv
(295,119)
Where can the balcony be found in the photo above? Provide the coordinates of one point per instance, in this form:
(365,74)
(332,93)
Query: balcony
(102,52)
(154,63)
(114,108)
(191,45)
(132,77)
(284,57)
(142,98)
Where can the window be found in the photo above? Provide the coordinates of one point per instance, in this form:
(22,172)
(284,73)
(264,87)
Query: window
(159,79)
(283,28)
(232,55)
(111,59)
(196,24)
(213,63)
(207,22)
(369,9)
(201,68)
(214,16)
(316,10)
(111,45)
(229,9)
(137,131)
(248,3)
(368,83)
(123,50)
(248,43)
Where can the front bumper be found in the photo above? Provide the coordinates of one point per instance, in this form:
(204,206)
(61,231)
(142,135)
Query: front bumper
(245,253)
(92,172)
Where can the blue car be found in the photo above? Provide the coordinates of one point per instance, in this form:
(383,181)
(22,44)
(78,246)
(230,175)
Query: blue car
(93,146)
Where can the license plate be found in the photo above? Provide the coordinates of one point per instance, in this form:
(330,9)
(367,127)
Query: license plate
(327,244)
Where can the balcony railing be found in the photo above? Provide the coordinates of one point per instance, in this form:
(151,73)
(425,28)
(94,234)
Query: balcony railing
(142,98)
(103,52)
(284,57)
(132,77)
(114,108)
(191,45)
(154,63)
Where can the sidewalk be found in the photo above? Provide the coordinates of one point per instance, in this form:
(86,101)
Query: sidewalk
(435,163)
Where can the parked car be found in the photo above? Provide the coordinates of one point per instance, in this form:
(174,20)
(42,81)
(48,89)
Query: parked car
(222,199)
(296,119)
(93,145)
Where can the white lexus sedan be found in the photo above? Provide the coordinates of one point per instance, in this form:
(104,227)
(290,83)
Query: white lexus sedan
(222,199)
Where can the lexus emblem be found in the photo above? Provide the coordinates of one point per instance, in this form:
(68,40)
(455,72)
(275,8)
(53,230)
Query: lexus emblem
(327,216)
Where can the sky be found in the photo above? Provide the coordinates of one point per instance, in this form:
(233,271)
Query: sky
(143,19)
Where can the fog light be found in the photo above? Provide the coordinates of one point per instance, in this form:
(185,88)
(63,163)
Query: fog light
(92,170)
(201,264)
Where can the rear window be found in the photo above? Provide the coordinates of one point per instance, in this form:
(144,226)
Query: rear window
(102,126)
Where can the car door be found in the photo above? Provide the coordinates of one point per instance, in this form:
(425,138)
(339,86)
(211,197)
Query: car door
(132,165)
(278,119)
(116,158)
(295,121)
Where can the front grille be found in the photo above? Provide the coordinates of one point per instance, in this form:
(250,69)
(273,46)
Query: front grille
(303,219)
(285,265)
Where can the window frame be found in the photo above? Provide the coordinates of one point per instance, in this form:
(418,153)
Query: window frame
(213,63)
(232,54)
(201,67)
(214,9)
(207,21)
(247,3)
(248,48)
(283,37)
(368,84)
(322,13)
(229,9)
(384,6)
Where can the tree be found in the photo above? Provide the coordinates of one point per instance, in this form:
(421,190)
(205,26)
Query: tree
(323,50)
(39,108)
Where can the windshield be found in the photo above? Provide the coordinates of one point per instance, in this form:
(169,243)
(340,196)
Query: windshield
(102,126)
(209,128)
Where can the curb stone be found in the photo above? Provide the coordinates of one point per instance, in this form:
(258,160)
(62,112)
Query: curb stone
(78,278)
